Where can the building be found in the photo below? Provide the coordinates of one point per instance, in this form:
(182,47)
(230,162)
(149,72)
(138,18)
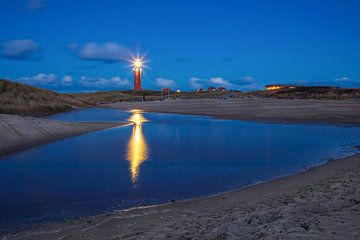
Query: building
(273,87)
(199,90)
(165,92)
(137,74)
(211,89)
(221,89)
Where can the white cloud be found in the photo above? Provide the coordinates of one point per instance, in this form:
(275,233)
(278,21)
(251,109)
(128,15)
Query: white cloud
(43,79)
(214,81)
(107,52)
(119,81)
(35,4)
(39,79)
(197,82)
(245,83)
(220,82)
(114,82)
(23,49)
(163,82)
(341,79)
(67,80)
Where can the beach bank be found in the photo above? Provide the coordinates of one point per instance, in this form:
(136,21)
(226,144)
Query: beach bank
(258,109)
(18,133)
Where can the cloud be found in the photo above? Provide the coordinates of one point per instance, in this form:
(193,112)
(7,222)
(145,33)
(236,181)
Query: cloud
(165,83)
(342,79)
(214,81)
(67,80)
(219,81)
(52,81)
(108,52)
(102,83)
(35,4)
(245,83)
(39,79)
(24,49)
(197,82)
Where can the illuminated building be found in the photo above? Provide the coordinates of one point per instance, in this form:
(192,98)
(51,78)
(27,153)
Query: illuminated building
(273,87)
(137,64)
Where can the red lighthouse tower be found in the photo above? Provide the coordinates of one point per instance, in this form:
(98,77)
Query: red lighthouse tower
(137,74)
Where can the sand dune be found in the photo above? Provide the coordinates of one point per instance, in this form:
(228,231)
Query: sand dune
(17,133)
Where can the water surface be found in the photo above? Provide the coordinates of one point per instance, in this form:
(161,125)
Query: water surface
(159,158)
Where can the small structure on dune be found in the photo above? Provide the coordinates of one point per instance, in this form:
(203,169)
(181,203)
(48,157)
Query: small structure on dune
(272,87)
(165,92)
(211,89)
(199,90)
(221,89)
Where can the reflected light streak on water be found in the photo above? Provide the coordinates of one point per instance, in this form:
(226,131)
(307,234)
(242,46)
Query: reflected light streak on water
(137,149)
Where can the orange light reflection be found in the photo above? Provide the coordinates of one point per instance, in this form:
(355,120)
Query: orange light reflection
(137,149)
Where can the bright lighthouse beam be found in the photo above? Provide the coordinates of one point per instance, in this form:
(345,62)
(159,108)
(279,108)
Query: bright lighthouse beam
(137,63)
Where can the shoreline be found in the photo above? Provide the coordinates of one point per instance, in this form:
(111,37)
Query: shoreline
(151,219)
(19,133)
(264,110)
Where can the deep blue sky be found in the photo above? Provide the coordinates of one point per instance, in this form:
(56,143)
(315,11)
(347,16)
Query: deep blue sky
(81,45)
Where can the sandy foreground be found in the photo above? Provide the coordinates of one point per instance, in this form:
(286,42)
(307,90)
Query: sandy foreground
(17,133)
(258,109)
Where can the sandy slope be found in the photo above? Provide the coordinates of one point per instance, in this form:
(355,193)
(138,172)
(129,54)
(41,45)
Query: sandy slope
(259,109)
(17,133)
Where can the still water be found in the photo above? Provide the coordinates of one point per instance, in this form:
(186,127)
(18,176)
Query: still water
(158,158)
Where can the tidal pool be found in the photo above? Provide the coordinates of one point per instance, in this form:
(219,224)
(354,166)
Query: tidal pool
(160,157)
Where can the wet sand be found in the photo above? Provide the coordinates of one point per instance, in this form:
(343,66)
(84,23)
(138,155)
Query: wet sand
(258,109)
(18,133)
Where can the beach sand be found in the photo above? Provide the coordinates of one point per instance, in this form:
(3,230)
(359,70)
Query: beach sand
(258,109)
(18,133)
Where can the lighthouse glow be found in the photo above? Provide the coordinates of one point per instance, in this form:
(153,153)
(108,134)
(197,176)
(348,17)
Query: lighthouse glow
(137,64)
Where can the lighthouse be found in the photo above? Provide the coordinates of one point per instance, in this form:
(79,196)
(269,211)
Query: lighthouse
(137,63)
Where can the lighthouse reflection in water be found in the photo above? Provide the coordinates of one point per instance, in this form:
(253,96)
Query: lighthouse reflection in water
(137,149)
